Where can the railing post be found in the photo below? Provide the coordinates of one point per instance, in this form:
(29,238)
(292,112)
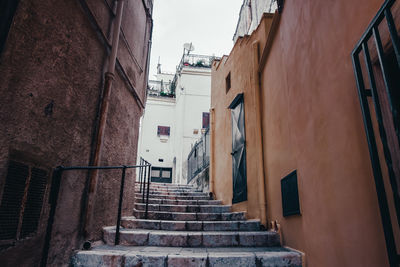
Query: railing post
(121,194)
(148,191)
(144,180)
(141,174)
(55,189)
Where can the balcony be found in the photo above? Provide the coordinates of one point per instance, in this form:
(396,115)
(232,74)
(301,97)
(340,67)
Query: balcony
(195,61)
(160,89)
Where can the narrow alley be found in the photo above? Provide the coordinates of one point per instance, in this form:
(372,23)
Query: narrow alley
(187,133)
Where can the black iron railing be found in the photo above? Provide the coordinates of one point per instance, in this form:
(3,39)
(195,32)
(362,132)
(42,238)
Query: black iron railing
(199,156)
(142,181)
(371,44)
(144,178)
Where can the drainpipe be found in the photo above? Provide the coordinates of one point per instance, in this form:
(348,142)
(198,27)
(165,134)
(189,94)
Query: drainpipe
(259,135)
(212,156)
(109,78)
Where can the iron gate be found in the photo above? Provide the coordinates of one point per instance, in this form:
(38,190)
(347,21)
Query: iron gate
(379,51)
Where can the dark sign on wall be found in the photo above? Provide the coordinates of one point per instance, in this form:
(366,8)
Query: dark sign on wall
(290,195)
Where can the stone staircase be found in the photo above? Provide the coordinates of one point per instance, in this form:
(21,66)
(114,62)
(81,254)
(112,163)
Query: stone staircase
(187,228)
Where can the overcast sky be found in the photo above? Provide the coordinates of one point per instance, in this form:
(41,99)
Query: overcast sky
(208,24)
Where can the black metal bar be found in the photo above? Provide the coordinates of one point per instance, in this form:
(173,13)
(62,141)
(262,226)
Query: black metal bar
(377,19)
(144,180)
(121,195)
(393,34)
(396,47)
(141,174)
(380,188)
(99,167)
(382,131)
(55,189)
(148,192)
(386,79)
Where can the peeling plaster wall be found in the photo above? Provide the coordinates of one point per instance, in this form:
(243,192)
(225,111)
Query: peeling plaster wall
(51,77)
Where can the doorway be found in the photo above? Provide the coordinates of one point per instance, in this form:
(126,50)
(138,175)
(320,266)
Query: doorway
(239,175)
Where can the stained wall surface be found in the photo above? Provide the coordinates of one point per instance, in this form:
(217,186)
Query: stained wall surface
(51,79)
(311,122)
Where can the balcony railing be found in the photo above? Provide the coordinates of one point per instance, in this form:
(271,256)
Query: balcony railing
(195,61)
(160,89)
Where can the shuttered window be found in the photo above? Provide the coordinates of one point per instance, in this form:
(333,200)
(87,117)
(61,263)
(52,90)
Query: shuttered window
(22,201)
(12,200)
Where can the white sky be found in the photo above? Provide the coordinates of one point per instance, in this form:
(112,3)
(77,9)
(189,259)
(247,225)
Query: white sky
(208,24)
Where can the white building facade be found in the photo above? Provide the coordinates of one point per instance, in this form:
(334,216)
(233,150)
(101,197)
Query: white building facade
(250,16)
(177,112)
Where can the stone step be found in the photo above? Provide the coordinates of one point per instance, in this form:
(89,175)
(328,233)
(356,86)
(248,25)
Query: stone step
(180,202)
(175,193)
(190,216)
(193,189)
(153,185)
(184,208)
(167,193)
(160,238)
(121,256)
(174,197)
(133,223)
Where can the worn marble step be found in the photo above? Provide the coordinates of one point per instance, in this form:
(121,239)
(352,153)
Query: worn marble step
(133,223)
(169,189)
(161,238)
(174,197)
(190,216)
(180,202)
(176,193)
(122,256)
(153,185)
(184,208)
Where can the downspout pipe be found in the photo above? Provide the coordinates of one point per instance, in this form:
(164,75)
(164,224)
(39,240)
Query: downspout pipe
(259,135)
(108,81)
(212,149)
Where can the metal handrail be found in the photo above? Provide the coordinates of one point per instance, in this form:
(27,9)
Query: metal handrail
(198,158)
(144,173)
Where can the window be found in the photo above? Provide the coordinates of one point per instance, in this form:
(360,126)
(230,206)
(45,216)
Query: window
(206,120)
(22,201)
(163,130)
(228,82)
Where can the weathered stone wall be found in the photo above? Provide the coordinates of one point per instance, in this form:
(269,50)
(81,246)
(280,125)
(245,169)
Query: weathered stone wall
(51,80)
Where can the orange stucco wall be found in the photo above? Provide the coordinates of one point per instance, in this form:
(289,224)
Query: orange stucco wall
(311,122)
(240,59)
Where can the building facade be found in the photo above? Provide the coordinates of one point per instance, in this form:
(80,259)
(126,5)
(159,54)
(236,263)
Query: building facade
(181,112)
(156,142)
(250,16)
(64,103)
(303,119)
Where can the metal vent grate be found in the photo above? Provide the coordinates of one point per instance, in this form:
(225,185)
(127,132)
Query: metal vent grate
(290,195)
(34,202)
(13,193)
